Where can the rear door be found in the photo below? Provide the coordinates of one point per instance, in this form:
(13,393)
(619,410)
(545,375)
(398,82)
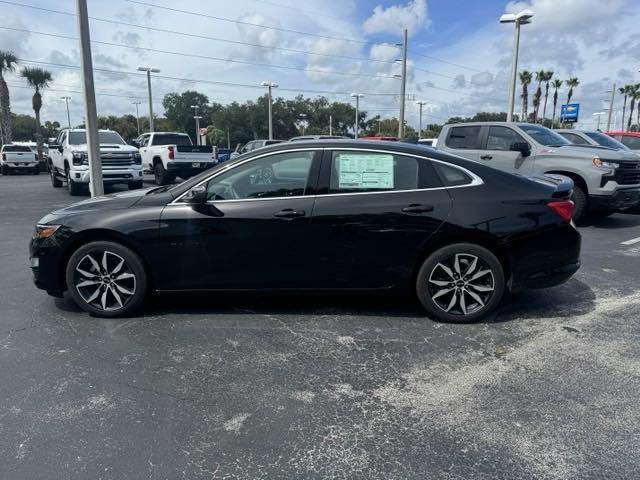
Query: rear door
(374,212)
(464,140)
(497,153)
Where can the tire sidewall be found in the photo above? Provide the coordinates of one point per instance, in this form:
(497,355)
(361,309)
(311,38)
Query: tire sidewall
(133,261)
(579,198)
(445,252)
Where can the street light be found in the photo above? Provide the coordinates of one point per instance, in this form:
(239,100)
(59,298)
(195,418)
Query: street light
(137,115)
(420,103)
(197,119)
(149,71)
(518,19)
(357,96)
(303,118)
(599,114)
(270,85)
(66,99)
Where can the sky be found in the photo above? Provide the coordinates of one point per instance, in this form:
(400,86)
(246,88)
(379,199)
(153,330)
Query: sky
(459,55)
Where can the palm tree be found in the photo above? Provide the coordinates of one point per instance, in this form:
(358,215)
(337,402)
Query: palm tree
(525,80)
(37,78)
(572,83)
(548,75)
(556,84)
(634,94)
(624,90)
(538,95)
(7,64)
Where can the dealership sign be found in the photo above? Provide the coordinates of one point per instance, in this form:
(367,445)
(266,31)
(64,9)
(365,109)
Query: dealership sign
(569,113)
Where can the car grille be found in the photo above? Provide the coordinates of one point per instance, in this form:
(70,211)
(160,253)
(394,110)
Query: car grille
(628,173)
(116,159)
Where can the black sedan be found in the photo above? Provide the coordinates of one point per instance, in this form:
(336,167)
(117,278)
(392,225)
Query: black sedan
(318,216)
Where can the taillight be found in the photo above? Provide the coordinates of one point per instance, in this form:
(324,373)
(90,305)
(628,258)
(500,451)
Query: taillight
(563,208)
(35,156)
(4,156)
(171,152)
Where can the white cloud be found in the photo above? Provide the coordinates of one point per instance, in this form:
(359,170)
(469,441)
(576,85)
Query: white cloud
(258,36)
(482,79)
(385,52)
(412,16)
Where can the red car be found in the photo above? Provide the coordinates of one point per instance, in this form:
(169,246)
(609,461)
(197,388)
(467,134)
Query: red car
(630,139)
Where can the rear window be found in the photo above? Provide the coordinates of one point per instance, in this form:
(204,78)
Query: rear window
(169,139)
(573,138)
(16,148)
(606,140)
(632,142)
(464,137)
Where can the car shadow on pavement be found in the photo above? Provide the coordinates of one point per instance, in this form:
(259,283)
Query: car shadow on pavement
(615,222)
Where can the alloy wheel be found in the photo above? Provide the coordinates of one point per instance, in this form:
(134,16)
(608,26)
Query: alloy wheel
(462,284)
(104,280)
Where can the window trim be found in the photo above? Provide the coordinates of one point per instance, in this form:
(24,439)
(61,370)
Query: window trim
(475,179)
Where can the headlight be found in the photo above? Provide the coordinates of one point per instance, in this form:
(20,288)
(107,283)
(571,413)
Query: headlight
(45,231)
(606,165)
(80,158)
(137,158)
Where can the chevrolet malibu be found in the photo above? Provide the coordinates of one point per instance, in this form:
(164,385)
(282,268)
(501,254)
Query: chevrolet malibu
(320,215)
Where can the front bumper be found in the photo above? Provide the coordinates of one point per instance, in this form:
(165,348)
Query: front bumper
(110,175)
(621,199)
(45,260)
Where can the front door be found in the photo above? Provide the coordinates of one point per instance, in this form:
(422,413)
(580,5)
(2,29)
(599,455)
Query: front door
(251,233)
(374,212)
(497,151)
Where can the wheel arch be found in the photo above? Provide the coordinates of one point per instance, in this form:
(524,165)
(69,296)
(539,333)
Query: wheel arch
(576,177)
(96,235)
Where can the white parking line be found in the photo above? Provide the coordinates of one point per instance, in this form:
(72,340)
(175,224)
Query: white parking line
(631,242)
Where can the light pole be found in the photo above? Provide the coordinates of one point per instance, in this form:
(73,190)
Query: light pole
(599,114)
(357,96)
(197,119)
(66,100)
(403,83)
(613,95)
(269,86)
(149,71)
(420,104)
(137,116)
(518,19)
(303,118)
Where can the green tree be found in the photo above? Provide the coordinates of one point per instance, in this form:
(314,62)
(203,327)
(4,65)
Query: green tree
(7,64)
(556,84)
(634,94)
(548,75)
(540,76)
(216,136)
(37,78)
(51,128)
(525,80)
(624,90)
(179,112)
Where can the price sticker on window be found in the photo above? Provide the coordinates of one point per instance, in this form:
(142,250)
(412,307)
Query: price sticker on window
(366,172)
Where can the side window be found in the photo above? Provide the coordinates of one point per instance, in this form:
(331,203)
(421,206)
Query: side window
(632,142)
(452,176)
(501,138)
(63,138)
(464,137)
(278,175)
(353,172)
(573,138)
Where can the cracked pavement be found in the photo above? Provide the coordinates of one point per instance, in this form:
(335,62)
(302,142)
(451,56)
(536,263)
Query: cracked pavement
(257,387)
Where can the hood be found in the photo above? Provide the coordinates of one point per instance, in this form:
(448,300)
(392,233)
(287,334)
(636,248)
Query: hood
(106,147)
(114,200)
(591,151)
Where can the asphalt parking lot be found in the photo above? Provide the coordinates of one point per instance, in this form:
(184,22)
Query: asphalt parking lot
(319,387)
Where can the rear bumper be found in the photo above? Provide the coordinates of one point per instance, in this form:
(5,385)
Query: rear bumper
(188,169)
(21,165)
(547,259)
(622,199)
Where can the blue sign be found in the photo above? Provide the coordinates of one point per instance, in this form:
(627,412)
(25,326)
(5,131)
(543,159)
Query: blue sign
(569,113)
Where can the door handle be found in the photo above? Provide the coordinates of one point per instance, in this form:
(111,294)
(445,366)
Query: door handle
(418,208)
(289,213)
(486,157)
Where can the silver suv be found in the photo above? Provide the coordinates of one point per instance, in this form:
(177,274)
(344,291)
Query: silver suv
(605,180)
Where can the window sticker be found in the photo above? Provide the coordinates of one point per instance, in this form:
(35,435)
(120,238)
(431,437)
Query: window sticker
(372,171)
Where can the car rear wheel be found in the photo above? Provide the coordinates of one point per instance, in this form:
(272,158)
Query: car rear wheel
(106,279)
(460,283)
(161,175)
(579,198)
(55,181)
(5,170)
(135,185)
(74,188)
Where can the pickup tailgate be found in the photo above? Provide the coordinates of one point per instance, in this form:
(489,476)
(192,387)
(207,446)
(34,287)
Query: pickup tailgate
(563,186)
(192,153)
(19,157)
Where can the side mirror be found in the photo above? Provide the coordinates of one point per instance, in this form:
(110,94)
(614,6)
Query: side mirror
(196,195)
(60,148)
(523,147)
(53,146)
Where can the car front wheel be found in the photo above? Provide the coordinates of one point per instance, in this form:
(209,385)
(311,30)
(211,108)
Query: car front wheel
(106,279)
(460,283)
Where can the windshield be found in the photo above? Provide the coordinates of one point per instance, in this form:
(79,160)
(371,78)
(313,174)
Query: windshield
(544,136)
(80,138)
(172,139)
(606,140)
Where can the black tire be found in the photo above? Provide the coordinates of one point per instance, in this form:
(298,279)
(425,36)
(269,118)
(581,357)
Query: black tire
(115,295)
(161,175)
(5,170)
(451,306)
(55,181)
(74,188)
(135,185)
(579,197)
(36,171)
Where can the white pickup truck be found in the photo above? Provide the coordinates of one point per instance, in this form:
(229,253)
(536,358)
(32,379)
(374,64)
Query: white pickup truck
(18,158)
(69,160)
(170,154)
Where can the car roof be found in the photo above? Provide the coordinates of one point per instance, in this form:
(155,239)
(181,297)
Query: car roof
(624,134)
(518,124)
